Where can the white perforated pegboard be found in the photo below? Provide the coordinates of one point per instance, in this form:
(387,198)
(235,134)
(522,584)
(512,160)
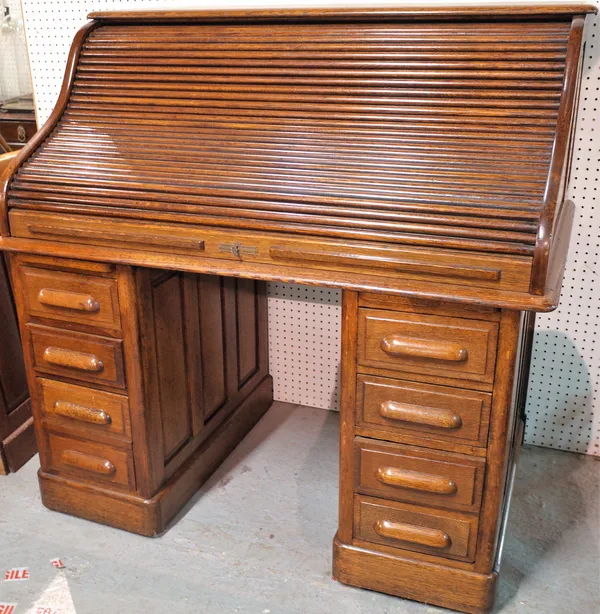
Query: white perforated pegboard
(563,409)
(304,323)
(304,344)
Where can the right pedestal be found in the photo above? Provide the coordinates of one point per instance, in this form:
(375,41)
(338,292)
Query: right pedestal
(432,400)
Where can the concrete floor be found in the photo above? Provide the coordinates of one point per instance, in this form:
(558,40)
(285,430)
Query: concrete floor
(257,538)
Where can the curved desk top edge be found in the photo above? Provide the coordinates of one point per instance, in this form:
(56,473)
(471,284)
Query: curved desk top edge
(441,11)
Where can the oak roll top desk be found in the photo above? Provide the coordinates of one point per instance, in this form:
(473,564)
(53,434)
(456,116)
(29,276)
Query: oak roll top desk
(414,157)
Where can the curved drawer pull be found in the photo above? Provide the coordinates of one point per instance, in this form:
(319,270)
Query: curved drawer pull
(73,360)
(424,536)
(95,464)
(417,414)
(81,412)
(397,345)
(415,480)
(68,300)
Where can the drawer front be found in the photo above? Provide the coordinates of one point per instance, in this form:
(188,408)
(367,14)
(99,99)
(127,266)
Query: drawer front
(405,473)
(17,132)
(91,411)
(90,461)
(442,533)
(428,344)
(438,413)
(77,355)
(70,297)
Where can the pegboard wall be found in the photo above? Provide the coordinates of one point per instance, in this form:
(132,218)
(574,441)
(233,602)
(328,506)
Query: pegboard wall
(304,323)
(563,408)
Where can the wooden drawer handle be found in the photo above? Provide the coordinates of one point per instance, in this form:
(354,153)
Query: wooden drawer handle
(424,536)
(398,345)
(81,412)
(417,414)
(73,360)
(68,300)
(415,480)
(95,464)
(163,241)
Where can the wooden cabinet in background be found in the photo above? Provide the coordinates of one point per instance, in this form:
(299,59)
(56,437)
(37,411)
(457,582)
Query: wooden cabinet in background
(17,438)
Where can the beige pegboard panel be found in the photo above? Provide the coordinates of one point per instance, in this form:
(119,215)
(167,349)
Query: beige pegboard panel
(304,344)
(304,337)
(563,407)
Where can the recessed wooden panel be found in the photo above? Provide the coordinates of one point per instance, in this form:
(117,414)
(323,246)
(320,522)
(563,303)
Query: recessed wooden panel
(433,413)
(77,355)
(410,474)
(91,462)
(247,329)
(91,411)
(436,345)
(212,342)
(170,348)
(439,532)
(69,297)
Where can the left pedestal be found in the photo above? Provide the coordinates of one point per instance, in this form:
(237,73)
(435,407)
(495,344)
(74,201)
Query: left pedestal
(142,381)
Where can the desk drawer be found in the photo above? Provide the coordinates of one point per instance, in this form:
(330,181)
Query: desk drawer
(77,355)
(410,474)
(83,299)
(85,409)
(442,533)
(431,345)
(90,461)
(434,413)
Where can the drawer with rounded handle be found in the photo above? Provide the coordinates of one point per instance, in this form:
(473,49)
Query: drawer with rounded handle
(429,413)
(71,297)
(77,355)
(410,527)
(84,409)
(90,461)
(407,473)
(427,344)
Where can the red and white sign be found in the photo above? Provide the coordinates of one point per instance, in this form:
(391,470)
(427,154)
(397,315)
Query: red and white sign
(57,563)
(16,574)
(7,608)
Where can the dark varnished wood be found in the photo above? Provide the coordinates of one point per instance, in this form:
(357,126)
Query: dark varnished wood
(415,158)
(17,442)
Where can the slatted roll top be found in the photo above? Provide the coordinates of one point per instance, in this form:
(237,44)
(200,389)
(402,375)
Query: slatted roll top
(433,134)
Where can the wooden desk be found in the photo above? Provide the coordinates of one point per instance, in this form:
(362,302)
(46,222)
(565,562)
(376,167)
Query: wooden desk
(415,158)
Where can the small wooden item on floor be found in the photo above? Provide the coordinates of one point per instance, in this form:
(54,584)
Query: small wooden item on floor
(416,158)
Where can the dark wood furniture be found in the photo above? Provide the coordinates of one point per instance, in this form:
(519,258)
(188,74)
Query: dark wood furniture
(17,437)
(415,158)
(17,126)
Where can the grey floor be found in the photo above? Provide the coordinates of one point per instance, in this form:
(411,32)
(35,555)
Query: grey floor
(257,538)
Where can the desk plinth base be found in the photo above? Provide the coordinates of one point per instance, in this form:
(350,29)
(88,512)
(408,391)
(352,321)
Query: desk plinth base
(447,587)
(151,517)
